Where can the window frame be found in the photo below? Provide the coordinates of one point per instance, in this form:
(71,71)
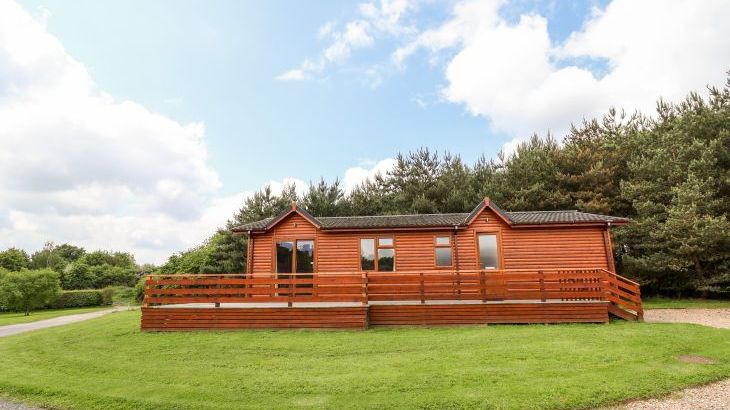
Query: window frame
(437,246)
(500,255)
(377,247)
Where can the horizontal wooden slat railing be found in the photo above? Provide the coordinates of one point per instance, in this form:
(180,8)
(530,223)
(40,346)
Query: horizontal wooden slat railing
(624,296)
(236,288)
(570,285)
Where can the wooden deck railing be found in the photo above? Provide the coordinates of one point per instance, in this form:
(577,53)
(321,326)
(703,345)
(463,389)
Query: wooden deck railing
(364,287)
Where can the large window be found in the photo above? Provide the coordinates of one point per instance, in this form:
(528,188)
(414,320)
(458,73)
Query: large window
(443,251)
(380,258)
(488,253)
(367,254)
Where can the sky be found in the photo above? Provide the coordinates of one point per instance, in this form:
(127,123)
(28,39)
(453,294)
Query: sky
(142,125)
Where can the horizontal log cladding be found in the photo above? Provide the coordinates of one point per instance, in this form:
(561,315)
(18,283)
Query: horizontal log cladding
(519,248)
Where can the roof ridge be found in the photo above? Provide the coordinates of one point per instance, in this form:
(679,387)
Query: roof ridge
(381,216)
(534,212)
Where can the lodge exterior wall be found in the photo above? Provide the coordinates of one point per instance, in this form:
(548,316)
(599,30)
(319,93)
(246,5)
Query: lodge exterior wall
(520,248)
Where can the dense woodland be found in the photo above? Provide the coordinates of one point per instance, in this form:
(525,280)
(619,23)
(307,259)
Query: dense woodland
(668,172)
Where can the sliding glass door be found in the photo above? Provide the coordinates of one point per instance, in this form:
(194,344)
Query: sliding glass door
(294,256)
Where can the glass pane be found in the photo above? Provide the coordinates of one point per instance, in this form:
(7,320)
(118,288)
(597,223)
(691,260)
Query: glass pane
(442,240)
(386,260)
(305,256)
(488,257)
(385,242)
(367,254)
(443,256)
(284,257)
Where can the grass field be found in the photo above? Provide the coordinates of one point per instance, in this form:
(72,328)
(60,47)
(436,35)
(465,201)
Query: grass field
(668,303)
(108,363)
(12,318)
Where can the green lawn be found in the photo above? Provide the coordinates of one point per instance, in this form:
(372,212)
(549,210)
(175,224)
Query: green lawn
(668,303)
(108,363)
(12,318)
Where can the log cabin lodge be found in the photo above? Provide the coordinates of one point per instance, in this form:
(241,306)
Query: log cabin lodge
(486,266)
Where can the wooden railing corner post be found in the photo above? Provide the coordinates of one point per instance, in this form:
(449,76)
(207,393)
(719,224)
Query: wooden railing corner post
(541,275)
(291,290)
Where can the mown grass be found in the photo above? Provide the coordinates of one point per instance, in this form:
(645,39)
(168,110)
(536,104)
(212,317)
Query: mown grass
(13,318)
(108,363)
(669,303)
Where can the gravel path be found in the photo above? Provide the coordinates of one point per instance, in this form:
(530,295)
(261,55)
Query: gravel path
(11,405)
(708,317)
(714,396)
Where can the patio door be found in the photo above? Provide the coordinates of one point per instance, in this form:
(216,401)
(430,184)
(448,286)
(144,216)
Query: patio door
(489,262)
(295,256)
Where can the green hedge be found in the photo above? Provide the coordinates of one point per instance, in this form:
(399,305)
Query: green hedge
(82,298)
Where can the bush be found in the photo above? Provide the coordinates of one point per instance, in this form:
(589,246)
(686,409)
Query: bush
(82,298)
(29,289)
(139,290)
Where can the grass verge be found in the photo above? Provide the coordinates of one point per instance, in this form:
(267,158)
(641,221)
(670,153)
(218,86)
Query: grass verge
(669,303)
(13,318)
(108,363)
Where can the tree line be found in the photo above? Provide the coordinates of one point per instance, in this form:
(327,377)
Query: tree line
(669,173)
(75,267)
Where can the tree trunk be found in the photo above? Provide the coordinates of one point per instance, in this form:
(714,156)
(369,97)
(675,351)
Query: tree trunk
(700,275)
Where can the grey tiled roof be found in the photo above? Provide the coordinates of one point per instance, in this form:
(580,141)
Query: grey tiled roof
(442,220)
(392,221)
(558,217)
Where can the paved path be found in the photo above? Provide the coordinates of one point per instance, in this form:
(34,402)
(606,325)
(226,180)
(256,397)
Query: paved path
(56,321)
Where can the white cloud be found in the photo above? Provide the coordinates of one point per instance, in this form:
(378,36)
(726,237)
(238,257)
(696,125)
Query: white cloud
(515,75)
(357,175)
(78,166)
(375,20)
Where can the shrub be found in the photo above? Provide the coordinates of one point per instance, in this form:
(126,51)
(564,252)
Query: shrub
(29,289)
(139,290)
(82,298)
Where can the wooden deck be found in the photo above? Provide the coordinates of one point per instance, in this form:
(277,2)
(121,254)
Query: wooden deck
(360,300)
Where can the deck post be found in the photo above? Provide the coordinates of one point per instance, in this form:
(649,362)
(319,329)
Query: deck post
(147,284)
(541,275)
(482,286)
(364,282)
(290,288)
(423,298)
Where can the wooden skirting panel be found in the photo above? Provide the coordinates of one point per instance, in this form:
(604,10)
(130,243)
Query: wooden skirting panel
(172,319)
(401,315)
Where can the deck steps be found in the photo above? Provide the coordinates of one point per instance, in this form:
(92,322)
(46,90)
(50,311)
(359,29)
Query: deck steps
(622,313)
